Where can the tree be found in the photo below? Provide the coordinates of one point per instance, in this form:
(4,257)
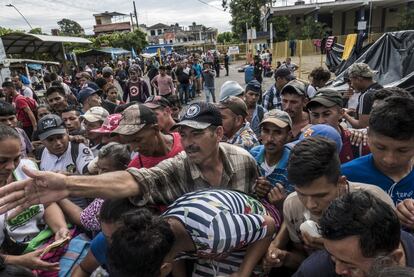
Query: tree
(37,31)
(312,29)
(407,20)
(242,12)
(227,37)
(281,27)
(5,31)
(135,39)
(69,27)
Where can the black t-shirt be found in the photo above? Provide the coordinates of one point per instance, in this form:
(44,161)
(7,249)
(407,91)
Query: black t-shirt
(366,99)
(320,262)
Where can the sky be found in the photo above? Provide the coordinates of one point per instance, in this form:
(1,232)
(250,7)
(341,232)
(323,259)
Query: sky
(46,13)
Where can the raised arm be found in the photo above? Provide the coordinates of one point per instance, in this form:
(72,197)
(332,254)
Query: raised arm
(46,187)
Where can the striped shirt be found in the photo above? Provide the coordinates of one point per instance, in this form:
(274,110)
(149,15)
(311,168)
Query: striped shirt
(172,178)
(219,222)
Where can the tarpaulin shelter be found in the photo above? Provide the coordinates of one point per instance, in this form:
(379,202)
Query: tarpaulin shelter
(392,57)
(101,54)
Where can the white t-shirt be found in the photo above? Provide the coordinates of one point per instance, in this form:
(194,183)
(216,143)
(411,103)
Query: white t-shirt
(51,162)
(27,92)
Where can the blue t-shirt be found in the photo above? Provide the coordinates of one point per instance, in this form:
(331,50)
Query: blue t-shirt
(279,174)
(99,247)
(197,70)
(320,262)
(363,170)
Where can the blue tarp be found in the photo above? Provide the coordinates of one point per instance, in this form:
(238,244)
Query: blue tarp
(151,49)
(34,66)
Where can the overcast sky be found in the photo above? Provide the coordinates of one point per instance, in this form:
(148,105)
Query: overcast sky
(45,13)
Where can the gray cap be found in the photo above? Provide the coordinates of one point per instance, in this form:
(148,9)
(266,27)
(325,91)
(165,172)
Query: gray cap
(50,125)
(230,88)
(295,86)
(360,70)
(277,117)
(107,69)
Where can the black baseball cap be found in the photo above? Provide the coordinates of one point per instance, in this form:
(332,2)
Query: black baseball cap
(326,97)
(201,115)
(50,125)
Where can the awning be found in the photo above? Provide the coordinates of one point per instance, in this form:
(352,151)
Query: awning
(23,43)
(104,51)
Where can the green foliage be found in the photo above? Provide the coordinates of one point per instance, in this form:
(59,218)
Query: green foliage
(69,27)
(242,12)
(227,37)
(36,31)
(5,31)
(407,20)
(312,29)
(281,27)
(135,39)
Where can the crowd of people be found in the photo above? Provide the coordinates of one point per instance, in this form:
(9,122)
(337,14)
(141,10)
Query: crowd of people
(112,174)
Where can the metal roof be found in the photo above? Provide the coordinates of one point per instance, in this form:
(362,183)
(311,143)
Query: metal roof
(23,43)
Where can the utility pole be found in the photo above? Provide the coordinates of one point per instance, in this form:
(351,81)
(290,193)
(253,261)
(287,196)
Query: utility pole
(136,15)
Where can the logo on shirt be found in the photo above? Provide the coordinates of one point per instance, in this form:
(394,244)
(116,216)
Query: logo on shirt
(193,111)
(86,151)
(23,217)
(133,90)
(308,133)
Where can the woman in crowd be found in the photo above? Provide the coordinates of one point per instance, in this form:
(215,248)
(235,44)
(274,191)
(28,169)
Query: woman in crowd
(17,231)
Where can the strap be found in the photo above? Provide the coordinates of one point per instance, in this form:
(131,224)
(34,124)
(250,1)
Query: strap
(74,152)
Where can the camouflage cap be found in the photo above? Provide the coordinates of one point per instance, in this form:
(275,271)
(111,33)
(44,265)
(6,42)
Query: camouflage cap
(278,118)
(134,118)
(360,70)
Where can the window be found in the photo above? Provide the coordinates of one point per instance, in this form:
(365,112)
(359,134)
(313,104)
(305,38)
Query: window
(98,21)
(152,32)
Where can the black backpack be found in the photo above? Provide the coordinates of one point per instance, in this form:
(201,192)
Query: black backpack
(74,152)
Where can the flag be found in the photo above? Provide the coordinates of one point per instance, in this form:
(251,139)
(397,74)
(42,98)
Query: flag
(133,54)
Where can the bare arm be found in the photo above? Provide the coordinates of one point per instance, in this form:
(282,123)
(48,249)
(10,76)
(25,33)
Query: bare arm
(71,210)
(87,266)
(31,117)
(256,250)
(355,123)
(54,218)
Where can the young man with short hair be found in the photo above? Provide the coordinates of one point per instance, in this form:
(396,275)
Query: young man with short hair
(237,131)
(23,90)
(252,95)
(294,101)
(162,108)
(391,140)
(72,120)
(272,157)
(314,171)
(25,107)
(163,83)
(326,108)
(358,231)
(272,98)
(136,89)
(362,81)
(56,98)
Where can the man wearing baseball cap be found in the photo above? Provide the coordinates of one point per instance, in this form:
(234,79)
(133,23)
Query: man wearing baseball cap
(93,119)
(255,111)
(326,108)
(272,157)
(237,130)
(272,98)
(138,127)
(162,108)
(362,81)
(294,100)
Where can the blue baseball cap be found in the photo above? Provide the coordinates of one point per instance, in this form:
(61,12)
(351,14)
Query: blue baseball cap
(323,130)
(85,93)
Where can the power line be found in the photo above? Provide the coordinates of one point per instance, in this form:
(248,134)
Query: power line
(208,4)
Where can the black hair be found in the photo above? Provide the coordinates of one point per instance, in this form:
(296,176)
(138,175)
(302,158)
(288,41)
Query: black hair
(56,83)
(101,82)
(363,215)
(7,109)
(139,247)
(113,209)
(393,118)
(53,76)
(123,107)
(118,153)
(387,92)
(7,132)
(320,74)
(71,108)
(8,84)
(47,78)
(311,159)
(161,67)
(53,89)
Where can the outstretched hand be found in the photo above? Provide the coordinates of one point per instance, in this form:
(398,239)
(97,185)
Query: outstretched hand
(42,187)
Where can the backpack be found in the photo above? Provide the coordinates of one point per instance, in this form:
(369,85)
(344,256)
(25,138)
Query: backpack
(74,152)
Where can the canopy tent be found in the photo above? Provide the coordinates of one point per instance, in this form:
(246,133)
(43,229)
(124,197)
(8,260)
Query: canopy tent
(391,56)
(151,49)
(24,43)
(104,51)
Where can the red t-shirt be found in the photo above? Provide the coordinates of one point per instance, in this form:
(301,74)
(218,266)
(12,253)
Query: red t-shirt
(349,151)
(146,162)
(21,102)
